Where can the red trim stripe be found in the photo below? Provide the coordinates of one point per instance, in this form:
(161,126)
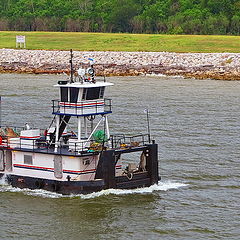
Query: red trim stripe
(80,105)
(90,170)
(31,166)
(29,137)
(52,169)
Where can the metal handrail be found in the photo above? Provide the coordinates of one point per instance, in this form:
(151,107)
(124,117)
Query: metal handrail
(74,148)
(119,141)
(58,106)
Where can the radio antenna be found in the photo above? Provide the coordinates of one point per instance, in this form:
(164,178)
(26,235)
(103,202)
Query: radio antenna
(148,125)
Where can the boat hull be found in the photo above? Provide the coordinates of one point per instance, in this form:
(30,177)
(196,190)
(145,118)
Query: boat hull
(76,187)
(62,187)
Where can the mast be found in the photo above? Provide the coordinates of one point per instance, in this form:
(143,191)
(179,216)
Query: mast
(79,129)
(57,132)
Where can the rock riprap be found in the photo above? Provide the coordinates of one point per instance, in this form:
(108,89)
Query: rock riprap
(225,66)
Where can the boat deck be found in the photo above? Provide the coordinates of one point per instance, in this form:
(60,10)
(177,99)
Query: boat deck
(118,143)
(65,151)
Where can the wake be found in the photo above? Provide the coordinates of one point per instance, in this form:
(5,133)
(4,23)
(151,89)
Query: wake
(161,186)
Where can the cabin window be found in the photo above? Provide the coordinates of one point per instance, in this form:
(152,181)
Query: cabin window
(84,94)
(93,93)
(74,94)
(101,94)
(86,161)
(64,94)
(28,159)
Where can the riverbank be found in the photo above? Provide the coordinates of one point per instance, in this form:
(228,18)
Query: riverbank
(222,66)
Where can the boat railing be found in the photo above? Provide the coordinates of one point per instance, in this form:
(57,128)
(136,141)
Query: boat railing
(17,130)
(123,141)
(72,146)
(87,107)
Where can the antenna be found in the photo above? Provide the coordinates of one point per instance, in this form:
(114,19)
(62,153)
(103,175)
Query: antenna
(148,123)
(71,64)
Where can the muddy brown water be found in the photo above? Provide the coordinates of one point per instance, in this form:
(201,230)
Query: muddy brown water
(196,124)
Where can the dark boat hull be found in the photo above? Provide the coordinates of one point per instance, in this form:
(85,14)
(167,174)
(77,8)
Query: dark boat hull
(62,187)
(77,187)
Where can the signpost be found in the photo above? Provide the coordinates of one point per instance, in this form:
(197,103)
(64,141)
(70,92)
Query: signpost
(20,41)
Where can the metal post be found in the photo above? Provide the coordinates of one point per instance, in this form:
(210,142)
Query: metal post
(79,129)
(85,126)
(57,132)
(107,130)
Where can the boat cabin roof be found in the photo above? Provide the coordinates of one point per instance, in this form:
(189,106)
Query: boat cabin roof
(83,84)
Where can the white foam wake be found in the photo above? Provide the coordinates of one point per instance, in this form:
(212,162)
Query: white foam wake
(161,186)
(5,187)
(30,192)
(3,180)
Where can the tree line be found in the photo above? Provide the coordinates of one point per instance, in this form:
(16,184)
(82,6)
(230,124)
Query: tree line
(133,16)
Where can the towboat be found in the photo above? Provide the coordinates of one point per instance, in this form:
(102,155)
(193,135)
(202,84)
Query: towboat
(77,154)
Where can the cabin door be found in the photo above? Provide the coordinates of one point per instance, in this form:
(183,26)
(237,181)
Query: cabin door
(58,169)
(2,160)
(8,160)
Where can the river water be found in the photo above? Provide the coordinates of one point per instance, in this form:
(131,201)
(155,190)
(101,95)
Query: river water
(196,124)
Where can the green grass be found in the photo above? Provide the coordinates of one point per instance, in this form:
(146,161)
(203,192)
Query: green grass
(123,42)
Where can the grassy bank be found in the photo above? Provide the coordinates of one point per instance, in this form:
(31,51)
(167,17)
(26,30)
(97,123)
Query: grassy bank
(123,42)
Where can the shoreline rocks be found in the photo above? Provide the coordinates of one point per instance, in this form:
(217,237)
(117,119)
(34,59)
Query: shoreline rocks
(221,66)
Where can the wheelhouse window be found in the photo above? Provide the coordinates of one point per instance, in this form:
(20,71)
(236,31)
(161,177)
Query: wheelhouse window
(84,94)
(64,94)
(74,94)
(101,94)
(93,93)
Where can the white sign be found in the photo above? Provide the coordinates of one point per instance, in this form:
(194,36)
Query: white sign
(19,40)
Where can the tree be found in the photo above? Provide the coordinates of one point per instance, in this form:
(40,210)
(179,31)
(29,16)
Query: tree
(235,25)
(139,16)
